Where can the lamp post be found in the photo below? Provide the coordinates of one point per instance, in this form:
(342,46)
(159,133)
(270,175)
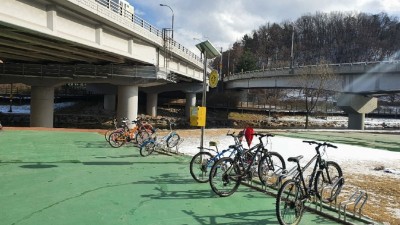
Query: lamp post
(172,18)
(209,52)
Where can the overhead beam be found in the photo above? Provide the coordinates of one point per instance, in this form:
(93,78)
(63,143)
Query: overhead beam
(47,51)
(59,46)
(17,57)
(31,54)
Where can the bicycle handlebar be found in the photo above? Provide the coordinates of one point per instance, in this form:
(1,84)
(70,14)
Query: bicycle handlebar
(263,135)
(319,144)
(233,134)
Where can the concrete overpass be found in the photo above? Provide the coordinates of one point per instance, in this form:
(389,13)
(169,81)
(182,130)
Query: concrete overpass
(359,83)
(47,43)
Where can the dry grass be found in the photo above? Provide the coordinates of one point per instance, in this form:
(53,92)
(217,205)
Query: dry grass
(383,193)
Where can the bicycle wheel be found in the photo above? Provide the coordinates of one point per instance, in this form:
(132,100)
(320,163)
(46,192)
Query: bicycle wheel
(200,165)
(225,177)
(141,136)
(289,203)
(107,135)
(270,164)
(329,176)
(173,140)
(147,148)
(117,139)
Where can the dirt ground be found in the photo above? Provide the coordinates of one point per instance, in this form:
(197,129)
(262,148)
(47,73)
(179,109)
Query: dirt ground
(383,191)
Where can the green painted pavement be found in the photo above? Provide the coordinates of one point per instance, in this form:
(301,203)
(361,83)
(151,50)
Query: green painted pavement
(61,177)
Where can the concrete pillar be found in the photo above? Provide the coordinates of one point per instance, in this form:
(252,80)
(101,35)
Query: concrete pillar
(42,106)
(128,102)
(356,106)
(151,106)
(190,101)
(109,102)
(356,121)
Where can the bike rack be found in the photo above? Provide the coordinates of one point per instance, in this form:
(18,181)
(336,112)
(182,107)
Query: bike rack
(282,174)
(177,146)
(358,199)
(337,184)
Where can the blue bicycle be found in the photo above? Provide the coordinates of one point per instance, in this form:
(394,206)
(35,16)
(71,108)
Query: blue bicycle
(201,163)
(166,143)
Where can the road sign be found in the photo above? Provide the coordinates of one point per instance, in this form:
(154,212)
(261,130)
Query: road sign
(213,79)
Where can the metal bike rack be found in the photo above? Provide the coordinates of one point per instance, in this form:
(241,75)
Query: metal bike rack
(177,146)
(282,174)
(335,187)
(358,199)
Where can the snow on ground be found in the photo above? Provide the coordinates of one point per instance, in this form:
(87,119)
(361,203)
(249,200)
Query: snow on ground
(352,158)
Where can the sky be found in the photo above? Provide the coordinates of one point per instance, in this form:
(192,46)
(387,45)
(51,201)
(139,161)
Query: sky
(224,22)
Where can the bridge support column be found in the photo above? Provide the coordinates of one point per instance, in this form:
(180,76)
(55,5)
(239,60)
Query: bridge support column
(151,106)
(356,106)
(128,102)
(190,101)
(42,106)
(109,102)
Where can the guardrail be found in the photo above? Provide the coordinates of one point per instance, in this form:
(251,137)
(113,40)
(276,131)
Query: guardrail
(337,67)
(77,71)
(118,9)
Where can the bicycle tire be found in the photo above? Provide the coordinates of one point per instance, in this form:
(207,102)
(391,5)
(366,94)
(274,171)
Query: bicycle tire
(325,177)
(173,140)
(141,136)
(289,203)
(269,164)
(225,177)
(200,165)
(147,148)
(117,139)
(107,135)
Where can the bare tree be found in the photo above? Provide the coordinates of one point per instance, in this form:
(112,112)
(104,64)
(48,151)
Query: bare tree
(315,83)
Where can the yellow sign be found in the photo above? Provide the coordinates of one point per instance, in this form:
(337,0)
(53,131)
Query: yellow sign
(198,116)
(213,79)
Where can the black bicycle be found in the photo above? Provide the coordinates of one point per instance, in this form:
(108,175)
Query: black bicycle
(325,182)
(227,173)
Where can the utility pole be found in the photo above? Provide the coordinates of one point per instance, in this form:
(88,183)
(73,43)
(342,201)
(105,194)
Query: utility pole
(291,52)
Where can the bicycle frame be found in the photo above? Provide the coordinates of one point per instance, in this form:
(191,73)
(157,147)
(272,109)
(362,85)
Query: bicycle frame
(319,165)
(259,148)
(300,175)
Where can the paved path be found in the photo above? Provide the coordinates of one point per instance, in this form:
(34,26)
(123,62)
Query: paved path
(59,177)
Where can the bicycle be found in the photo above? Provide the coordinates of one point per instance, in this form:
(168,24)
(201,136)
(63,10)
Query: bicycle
(115,128)
(227,173)
(166,143)
(203,161)
(293,193)
(138,134)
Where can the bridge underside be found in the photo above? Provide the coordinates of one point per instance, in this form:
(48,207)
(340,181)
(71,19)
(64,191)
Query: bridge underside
(26,46)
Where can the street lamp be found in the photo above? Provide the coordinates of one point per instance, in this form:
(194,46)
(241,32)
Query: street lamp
(209,52)
(172,18)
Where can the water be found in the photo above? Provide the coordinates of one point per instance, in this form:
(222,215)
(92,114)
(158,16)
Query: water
(26,109)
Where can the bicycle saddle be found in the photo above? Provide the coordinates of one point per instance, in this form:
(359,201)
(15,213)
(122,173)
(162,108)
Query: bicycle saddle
(295,159)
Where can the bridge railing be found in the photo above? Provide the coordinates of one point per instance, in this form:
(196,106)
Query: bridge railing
(77,71)
(356,67)
(130,15)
